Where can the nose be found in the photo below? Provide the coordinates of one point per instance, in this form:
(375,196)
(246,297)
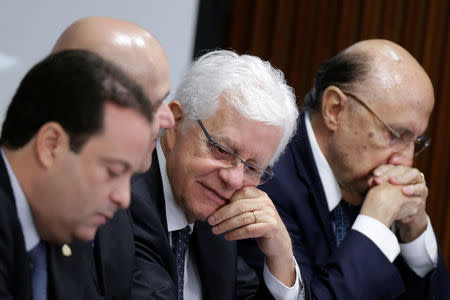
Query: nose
(165,116)
(403,157)
(233,176)
(121,194)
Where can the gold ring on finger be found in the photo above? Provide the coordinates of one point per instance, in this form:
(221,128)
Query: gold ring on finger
(422,177)
(254,214)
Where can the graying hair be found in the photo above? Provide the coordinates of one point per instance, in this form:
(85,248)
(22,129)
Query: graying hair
(255,89)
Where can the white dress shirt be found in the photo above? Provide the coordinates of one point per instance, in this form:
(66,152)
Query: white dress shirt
(176,220)
(29,231)
(420,255)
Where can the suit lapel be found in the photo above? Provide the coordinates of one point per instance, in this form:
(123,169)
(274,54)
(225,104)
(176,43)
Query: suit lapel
(154,182)
(307,169)
(149,186)
(22,280)
(216,262)
(114,255)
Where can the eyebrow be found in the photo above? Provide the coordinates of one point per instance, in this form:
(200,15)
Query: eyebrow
(160,101)
(402,130)
(126,166)
(226,141)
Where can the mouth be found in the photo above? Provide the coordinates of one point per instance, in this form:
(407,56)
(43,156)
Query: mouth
(101,218)
(215,196)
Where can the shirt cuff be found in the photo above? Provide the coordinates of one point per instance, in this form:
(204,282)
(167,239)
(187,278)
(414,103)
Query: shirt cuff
(421,255)
(279,290)
(379,234)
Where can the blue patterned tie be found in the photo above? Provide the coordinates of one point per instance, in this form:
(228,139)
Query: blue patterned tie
(343,217)
(38,266)
(180,242)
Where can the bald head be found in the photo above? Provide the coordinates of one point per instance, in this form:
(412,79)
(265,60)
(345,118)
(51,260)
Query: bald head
(128,45)
(373,65)
(133,49)
(391,65)
(391,70)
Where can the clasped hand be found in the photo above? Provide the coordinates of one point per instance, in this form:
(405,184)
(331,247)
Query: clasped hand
(399,194)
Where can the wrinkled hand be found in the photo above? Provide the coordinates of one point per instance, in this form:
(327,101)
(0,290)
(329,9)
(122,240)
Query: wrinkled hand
(251,214)
(412,218)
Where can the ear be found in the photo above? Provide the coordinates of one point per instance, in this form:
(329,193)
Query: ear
(333,104)
(51,140)
(171,134)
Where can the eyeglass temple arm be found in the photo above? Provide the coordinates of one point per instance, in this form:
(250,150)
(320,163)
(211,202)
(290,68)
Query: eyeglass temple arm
(394,132)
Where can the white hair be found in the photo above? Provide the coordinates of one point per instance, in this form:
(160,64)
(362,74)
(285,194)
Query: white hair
(251,86)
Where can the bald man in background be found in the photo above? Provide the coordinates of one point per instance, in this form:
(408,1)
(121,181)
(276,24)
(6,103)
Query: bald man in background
(141,56)
(346,179)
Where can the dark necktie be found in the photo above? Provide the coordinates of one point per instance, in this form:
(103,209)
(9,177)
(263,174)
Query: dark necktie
(343,217)
(180,242)
(38,266)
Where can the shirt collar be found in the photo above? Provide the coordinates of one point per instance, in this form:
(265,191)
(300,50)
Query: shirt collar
(329,181)
(29,231)
(175,217)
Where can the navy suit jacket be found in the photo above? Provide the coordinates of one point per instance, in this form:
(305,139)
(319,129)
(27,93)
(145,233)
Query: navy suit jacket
(222,273)
(355,270)
(15,275)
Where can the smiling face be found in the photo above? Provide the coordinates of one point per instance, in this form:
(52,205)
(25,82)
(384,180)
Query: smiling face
(82,190)
(199,182)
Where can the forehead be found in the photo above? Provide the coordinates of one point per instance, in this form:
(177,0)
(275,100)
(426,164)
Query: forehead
(125,137)
(401,94)
(252,140)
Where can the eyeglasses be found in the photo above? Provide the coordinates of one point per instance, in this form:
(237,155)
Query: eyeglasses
(254,174)
(420,144)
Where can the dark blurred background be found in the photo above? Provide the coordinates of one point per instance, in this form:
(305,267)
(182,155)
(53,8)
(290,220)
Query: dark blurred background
(297,36)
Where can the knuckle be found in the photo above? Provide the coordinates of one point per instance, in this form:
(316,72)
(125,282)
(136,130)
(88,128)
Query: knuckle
(247,218)
(240,206)
(248,230)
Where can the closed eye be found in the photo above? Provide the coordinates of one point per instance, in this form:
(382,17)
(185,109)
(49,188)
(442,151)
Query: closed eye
(112,174)
(254,169)
(219,152)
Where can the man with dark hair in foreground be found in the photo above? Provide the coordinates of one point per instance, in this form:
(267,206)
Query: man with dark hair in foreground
(75,131)
(139,54)
(346,180)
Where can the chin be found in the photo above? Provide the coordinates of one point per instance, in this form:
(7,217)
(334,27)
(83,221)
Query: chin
(205,212)
(85,234)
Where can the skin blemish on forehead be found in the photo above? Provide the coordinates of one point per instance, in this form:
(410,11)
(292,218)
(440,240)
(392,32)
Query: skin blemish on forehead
(370,134)
(355,133)
(364,147)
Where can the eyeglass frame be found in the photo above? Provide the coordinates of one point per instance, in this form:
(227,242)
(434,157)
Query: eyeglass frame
(260,172)
(426,140)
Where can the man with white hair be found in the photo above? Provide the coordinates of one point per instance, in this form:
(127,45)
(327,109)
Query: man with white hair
(233,117)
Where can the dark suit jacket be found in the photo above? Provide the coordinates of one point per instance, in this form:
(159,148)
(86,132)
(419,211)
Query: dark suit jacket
(355,270)
(107,267)
(222,273)
(114,257)
(15,276)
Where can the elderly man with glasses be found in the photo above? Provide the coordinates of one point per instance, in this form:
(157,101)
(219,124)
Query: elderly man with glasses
(234,115)
(346,189)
